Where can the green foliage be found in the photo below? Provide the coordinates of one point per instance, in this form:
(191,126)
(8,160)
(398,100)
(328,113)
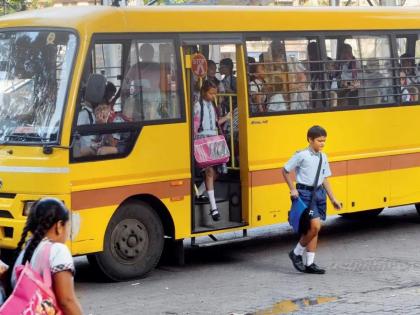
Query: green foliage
(11,6)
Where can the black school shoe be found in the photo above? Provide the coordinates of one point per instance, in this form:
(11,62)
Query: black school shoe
(297,261)
(202,198)
(215,215)
(314,269)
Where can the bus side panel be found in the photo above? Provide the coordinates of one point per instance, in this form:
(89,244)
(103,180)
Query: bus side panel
(405,185)
(88,229)
(377,149)
(159,165)
(89,226)
(368,191)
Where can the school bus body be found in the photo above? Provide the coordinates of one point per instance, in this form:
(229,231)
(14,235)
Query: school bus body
(374,153)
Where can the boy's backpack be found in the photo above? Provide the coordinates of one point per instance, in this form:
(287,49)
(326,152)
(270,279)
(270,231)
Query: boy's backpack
(32,293)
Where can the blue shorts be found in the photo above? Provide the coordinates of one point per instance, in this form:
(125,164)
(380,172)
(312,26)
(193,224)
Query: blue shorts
(319,205)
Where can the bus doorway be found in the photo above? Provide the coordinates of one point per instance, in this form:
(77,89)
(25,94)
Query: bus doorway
(215,62)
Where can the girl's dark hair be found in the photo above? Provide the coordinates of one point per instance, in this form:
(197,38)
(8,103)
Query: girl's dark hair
(42,216)
(210,63)
(215,80)
(228,63)
(110,90)
(207,85)
(315,132)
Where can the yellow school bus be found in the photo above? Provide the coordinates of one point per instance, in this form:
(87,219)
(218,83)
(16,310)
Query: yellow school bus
(130,180)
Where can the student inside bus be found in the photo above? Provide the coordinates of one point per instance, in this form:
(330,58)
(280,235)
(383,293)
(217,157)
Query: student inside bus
(349,83)
(408,66)
(276,102)
(316,75)
(142,83)
(108,143)
(91,114)
(300,85)
(277,76)
(257,88)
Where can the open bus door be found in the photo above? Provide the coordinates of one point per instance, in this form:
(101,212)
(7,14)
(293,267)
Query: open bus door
(229,183)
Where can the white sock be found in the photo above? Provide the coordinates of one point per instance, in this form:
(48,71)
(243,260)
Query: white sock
(310,257)
(201,189)
(298,249)
(212,199)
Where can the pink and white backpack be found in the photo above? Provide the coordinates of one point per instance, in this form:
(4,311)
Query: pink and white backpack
(33,294)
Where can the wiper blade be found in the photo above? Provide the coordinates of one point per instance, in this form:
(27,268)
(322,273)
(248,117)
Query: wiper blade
(21,137)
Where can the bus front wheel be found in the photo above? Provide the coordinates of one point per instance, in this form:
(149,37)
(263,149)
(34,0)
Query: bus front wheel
(133,243)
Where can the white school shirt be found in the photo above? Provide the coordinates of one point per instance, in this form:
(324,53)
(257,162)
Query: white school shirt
(209,118)
(276,103)
(305,163)
(84,118)
(60,259)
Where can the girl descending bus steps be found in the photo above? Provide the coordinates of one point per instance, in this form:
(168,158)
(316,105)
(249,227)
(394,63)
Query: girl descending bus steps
(208,127)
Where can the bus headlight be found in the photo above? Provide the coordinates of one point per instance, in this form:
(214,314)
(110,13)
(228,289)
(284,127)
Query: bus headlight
(27,206)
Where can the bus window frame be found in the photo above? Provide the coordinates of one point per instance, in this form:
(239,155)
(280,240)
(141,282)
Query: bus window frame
(69,83)
(135,128)
(391,34)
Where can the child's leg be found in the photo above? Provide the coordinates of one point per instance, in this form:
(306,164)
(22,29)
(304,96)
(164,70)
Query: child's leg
(201,189)
(210,178)
(310,239)
(311,246)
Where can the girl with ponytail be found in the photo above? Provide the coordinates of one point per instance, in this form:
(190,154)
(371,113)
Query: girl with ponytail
(48,222)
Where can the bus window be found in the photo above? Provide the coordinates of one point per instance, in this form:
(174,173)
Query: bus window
(284,74)
(35,67)
(149,88)
(364,76)
(107,60)
(408,48)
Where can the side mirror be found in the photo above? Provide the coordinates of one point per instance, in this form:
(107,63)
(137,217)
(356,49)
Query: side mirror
(95,88)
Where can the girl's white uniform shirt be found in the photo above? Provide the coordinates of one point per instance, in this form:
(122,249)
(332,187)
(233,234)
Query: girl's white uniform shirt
(60,259)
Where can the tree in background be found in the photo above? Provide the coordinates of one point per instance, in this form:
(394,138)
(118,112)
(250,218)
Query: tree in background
(11,6)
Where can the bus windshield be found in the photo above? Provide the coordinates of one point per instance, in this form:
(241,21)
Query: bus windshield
(35,69)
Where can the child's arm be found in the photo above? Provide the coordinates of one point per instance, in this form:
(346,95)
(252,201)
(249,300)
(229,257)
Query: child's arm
(224,119)
(335,202)
(293,191)
(3,269)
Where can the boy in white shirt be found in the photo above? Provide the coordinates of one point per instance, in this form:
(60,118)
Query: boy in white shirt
(305,163)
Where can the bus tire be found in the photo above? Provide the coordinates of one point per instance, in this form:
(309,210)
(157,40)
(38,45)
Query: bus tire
(417,207)
(362,215)
(133,243)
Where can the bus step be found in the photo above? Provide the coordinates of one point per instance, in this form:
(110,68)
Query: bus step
(221,242)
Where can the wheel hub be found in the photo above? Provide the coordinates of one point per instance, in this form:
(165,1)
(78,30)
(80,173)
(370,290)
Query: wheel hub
(129,239)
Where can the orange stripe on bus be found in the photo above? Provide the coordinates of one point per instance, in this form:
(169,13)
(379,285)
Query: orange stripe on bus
(176,190)
(343,168)
(115,195)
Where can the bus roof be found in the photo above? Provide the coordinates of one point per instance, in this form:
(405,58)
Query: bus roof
(105,19)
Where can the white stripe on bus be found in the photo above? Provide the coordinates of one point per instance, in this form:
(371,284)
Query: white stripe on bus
(26,169)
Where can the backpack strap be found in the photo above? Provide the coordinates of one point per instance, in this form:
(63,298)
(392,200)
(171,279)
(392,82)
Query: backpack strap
(200,128)
(90,114)
(217,115)
(42,263)
(318,171)
(257,85)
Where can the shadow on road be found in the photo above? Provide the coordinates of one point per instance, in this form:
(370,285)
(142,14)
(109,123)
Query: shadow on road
(275,238)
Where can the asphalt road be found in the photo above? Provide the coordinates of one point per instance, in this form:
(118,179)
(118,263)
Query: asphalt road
(373,267)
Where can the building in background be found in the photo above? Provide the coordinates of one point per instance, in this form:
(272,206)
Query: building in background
(10,6)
